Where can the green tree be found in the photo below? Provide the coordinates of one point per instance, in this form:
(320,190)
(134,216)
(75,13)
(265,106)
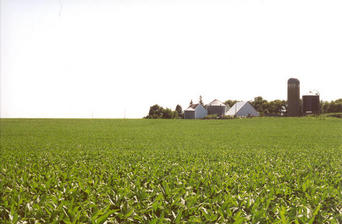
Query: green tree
(201,101)
(230,103)
(179,110)
(155,112)
(167,114)
(332,106)
(158,112)
(338,101)
(276,106)
(260,105)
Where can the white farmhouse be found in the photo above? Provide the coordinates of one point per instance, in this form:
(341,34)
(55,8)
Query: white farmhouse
(195,111)
(242,109)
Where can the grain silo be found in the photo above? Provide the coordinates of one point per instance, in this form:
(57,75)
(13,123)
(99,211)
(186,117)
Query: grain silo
(293,101)
(217,107)
(311,104)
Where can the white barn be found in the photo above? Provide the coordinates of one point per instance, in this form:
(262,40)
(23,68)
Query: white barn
(195,111)
(242,109)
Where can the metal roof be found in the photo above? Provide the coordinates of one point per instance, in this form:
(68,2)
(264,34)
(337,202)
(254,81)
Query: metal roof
(216,102)
(192,107)
(236,107)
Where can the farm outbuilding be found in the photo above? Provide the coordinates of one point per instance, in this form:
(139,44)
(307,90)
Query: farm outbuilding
(311,104)
(242,109)
(217,107)
(195,111)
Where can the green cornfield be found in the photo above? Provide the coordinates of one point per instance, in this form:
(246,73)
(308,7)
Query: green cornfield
(259,170)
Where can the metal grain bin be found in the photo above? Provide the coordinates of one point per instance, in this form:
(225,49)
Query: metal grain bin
(311,104)
(217,107)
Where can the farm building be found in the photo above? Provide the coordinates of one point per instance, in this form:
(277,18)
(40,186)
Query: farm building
(217,107)
(195,111)
(293,90)
(242,109)
(311,104)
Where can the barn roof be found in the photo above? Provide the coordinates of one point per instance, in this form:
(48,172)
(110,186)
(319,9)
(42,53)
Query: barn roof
(238,105)
(216,102)
(192,107)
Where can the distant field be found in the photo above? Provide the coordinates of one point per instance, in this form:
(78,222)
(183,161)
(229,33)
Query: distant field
(266,170)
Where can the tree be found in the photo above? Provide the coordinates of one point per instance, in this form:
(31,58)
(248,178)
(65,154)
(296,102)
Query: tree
(338,101)
(191,103)
(260,104)
(332,106)
(155,111)
(158,112)
(167,114)
(201,101)
(276,107)
(179,110)
(230,103)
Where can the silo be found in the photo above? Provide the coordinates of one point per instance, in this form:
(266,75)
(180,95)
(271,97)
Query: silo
(293,101)
(217,107)
(311,104)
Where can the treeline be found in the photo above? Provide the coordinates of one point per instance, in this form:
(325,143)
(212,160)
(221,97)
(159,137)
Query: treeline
(264,107)
(332,106)
(157,112)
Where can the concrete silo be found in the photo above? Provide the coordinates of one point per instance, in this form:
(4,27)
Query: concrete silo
(293,101)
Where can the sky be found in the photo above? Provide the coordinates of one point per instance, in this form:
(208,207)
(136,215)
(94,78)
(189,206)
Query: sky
(115,59)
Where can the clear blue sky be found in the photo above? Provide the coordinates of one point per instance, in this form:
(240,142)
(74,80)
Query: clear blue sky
(117,58)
